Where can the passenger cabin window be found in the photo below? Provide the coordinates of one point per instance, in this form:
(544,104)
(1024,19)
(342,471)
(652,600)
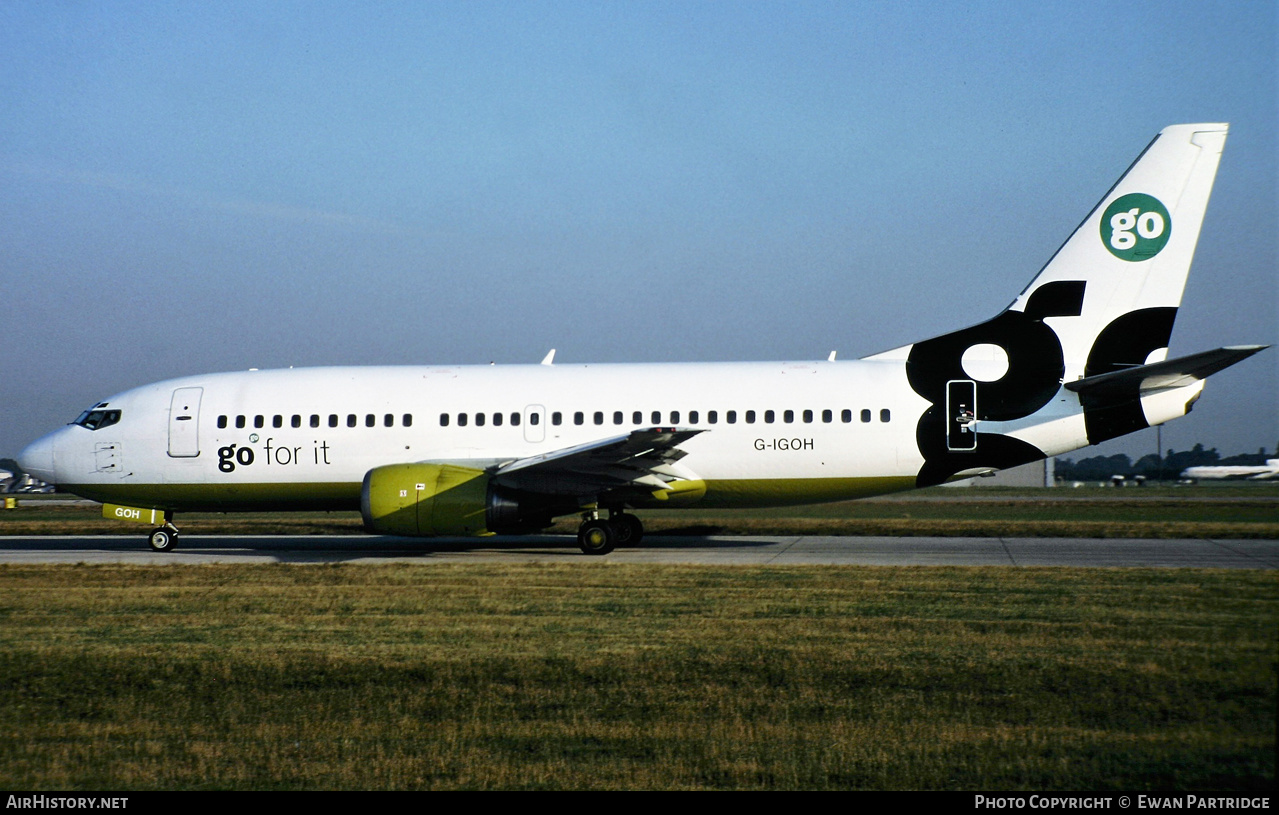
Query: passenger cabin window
(579,417)
(277,420)
(599,417)
(617,417)
(750,417)
(389,420)
(479,420)
(515,417)
(239,421)
(657,417)
(259,421)
(674,417)
(808,417)
(788,416)
(692,417)
(370,420)
(333,420)
(315,420)
(444,420)
(351,420)
(557,418)
(885,415)
(731,417)
(712,416)
(846,416)
(461,420)
(865,415)
(768,417)
(297,420)
(637,417)
(497,420)
(221,420)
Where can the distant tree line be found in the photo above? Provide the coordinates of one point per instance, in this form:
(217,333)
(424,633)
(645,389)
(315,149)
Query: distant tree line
(1152,466)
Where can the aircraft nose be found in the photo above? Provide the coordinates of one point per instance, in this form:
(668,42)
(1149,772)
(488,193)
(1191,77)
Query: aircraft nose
(37,459)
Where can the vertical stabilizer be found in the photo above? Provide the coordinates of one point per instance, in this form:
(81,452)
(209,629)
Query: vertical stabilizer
(1111,292)
(1104,303)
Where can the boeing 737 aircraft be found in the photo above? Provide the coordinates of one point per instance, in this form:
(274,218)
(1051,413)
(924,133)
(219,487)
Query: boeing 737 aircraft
(1079,357)
(1256,472)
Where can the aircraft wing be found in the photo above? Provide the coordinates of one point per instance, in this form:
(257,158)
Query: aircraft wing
(629,460)
(1172,373)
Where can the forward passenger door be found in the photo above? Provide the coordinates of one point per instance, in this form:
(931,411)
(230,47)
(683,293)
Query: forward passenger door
(184,423)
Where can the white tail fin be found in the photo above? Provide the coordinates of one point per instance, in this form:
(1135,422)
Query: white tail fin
(1104,303)
(1130,256)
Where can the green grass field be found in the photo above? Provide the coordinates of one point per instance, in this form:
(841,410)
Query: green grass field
(607,675)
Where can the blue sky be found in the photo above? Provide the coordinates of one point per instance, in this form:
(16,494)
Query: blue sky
(190,187)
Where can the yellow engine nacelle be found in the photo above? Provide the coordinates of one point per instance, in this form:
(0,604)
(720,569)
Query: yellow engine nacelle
(425,499)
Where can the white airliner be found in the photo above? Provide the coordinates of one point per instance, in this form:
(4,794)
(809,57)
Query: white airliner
(1076,359)
(1252,472)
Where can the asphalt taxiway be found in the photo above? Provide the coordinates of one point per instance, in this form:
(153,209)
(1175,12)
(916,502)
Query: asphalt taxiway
(717,550)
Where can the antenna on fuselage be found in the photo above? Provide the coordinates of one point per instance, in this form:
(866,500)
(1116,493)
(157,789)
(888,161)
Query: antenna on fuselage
(549,359)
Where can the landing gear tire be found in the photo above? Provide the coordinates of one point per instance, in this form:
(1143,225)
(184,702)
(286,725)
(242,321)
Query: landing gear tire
(596,537)
(627,529)
(163,540)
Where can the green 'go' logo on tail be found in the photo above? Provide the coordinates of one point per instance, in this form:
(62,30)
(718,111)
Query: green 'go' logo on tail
(1135,227)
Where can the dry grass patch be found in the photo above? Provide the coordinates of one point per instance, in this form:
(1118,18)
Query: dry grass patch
(624,676)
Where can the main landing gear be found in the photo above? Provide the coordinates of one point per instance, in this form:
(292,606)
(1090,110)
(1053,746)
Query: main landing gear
(164,538)
(597,536)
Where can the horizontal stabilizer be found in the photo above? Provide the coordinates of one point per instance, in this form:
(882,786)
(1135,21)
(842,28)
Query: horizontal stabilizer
(1172,373)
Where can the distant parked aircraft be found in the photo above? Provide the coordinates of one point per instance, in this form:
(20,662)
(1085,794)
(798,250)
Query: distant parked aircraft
(1257,472)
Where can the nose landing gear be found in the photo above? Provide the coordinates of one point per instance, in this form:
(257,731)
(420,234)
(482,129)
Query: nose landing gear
(164,538)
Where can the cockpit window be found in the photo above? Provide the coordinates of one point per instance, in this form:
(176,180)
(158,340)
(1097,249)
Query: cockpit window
(96,419)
